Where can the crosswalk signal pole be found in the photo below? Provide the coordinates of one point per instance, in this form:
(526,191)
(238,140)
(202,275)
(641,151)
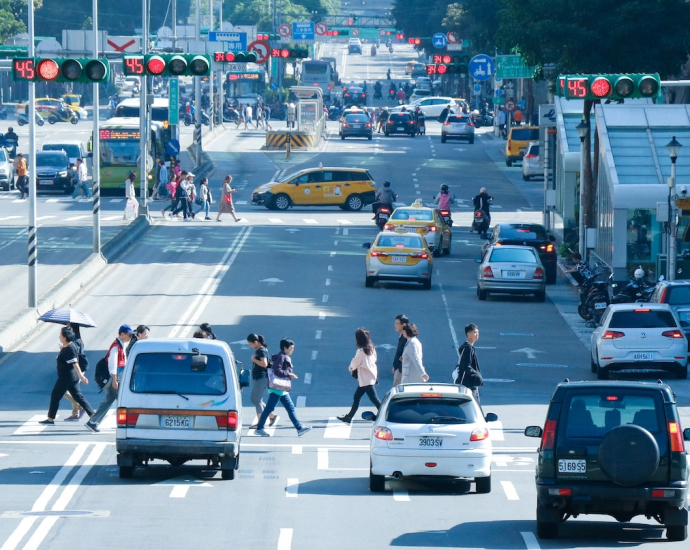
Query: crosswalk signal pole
(33,237)
(95,148)
(288,145)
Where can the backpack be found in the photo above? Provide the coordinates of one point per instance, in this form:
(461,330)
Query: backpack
(102,375)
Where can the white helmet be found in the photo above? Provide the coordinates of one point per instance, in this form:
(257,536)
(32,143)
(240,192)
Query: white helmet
(639,273)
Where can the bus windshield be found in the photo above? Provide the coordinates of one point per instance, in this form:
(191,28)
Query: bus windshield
(119,153)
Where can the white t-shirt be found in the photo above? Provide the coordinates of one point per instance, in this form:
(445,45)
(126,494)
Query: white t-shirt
(81,172)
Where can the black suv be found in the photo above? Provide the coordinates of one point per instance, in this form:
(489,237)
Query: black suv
(613,448)
(528,234)
(53,172)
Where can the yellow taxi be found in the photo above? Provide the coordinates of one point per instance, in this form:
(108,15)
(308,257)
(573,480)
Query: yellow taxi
(518,140)
(48,105)
(397,256)
(347,188)
(425,221)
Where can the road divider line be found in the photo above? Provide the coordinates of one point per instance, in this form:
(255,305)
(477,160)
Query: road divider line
(322,459)
(344,222)
(314,355)
(530,540)
(317,336)
(333,253)
(31,426)
(509,490)
(496,431)
(330,268)
(450,322)
(297,449)
(285,539)
(325,298)
(74,218)
(301,401)
(401,496)
(322,315)
(328,282)
(275,220)
(335,429)
(179,491)
(310,221)
(307,378)
(291,487)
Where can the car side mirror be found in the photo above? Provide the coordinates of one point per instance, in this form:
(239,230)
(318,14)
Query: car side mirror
(686,434)
(533,431)
(491,417)
(244,378)
(477,260)
(368,415)
(366,245)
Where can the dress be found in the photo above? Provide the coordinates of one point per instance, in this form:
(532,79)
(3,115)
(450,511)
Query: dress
(223,205)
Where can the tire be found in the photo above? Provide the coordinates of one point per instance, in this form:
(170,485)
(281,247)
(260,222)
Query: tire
(369,282)
(682,373)
(20,122)
(436,252)
(481,294)
(385,133)
(547,529)
(41,122)
(471,140)
(377,484)
(540,296)
(342,137)
(602,374)
(426,285)
(126,472)
(370,137)
(628,455)
(525,178)
(74,120)
(509,163)
(52,120)
(676,532)
(584,313)
(186,121)
(227,473)
(592,365)
(443,139)
(483,484)
(354,203)
(281,201)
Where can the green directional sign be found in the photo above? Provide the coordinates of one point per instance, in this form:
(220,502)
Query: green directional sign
(174,101)
(512,66)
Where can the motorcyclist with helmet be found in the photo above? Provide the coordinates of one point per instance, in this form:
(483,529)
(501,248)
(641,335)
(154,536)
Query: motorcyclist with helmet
(10,140)
(443,198)
(63,112)
(377,90)
(482,202)
(384,197)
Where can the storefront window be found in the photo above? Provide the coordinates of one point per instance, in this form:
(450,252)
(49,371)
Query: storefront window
(644,240)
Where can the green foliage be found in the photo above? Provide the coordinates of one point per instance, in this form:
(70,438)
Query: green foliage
(11,12)
(260,12)
(474,20)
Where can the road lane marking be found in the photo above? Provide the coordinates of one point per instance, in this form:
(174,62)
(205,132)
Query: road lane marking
(509,490)
(109,218)
(496,430)
(297,449)
(285,539)
(401,496)
(344,222)
(116,200)
(291,487)
(328,282)
(333,253)
(322,315)
(179,491)
(317,336)
(314,355)
(307,378)
(41,218)
(336,429)
(322,459)
(330,268)
(324,299)
(450,322)
(335,243)
(310,221)
(346,231)
(530,540)
(9,218)
(75,218)
(275,220)
(31,426)
(301,401)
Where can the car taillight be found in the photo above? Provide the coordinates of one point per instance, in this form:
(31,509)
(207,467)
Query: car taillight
(347,95)
(390,122)
(470,124)
(410,121)
(430,228)
(547,247)
(531,156)
(422,255)
(375,253)
(548,438)
(383,433)
(345,124)
(645,310)
(478,214)
(676,437)
(672,334)
(446,123)
(480,434)
(612,335)
(558,492)
(538,273)
(510,144)
(228,421)
(126,419)
(367,125)
(662,298)
(364,95)
(487,273)
(389,227)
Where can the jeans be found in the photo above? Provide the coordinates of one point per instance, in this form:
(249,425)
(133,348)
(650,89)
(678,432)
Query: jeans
(23,185)
(85,187)
(205,207)
(61,386)
(361,390)
(258,388)
(180,206)
(110,398)
(273,399)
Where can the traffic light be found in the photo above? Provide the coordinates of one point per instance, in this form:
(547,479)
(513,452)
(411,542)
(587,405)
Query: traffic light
(608,86)
(414,41)
(400,35)
(336,33)
(164,64)
(342,32)
(235,57)
(447,64)
(264,36)
(293,52)
(41,69)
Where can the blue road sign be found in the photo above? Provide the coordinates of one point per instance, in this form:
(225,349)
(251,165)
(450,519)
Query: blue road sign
(499,92)
(173,148)
(477,89)
(232,41)
(439,40)
(482,67)
(304,30)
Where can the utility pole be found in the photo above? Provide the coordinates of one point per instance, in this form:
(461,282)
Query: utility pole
(197,91)
(33,236)
(211,106)
(143,109)
(96,146)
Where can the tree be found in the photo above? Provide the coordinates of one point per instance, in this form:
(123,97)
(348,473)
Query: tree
(420,18)
(474,20)
(260,12)
(10,21)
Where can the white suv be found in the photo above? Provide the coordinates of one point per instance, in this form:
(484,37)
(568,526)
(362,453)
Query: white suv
(179,400)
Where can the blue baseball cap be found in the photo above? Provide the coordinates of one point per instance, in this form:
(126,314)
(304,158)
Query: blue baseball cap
(126,329)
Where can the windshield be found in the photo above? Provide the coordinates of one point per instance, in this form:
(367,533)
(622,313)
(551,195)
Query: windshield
(159,114)
(71,150)
(119,153)
(525,255)
(399,241)
(424,410)
(524,232)
(525,134)
(174,373)
(357,118)
(314,68)
(413,215)
(50,160)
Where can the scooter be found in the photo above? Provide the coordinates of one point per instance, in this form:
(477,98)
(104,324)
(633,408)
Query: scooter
(390,49)
(11,146)
(373,52)
(377,94)
(594,295)
(391,95)
(635,291)
(22,119)
(189,119)
(480,223)
(445,214)
(64,116)
(383,214)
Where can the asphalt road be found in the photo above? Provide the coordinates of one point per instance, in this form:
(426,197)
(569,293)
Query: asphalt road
(301,274)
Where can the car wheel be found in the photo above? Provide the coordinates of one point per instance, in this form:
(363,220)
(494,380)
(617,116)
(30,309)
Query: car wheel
(682,373)
(628,455)
(471,140)
(436,252)
(602,374)
(354,202)
(592,364)
(443,139)
(483,484)
(547,529)
(370,137)
(74,120)
(385,133)
(540,296)
(377,484)
(126,472)
(342,137)
(369,282)
(481,294)
(52,120)
(509,163)
(227,473)
(282,201)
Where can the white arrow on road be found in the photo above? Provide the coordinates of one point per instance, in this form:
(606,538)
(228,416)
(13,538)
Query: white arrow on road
(292,230)
(530,352)
(180,485)
(272,281)
(388,347)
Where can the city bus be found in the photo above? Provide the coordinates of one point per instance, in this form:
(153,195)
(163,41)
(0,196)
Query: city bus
(120,153)
(245,86)
(317,72)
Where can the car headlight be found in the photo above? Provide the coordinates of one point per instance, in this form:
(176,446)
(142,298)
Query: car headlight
(62,174)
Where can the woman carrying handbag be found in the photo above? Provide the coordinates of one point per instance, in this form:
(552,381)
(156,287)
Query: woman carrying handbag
(225,204)
(363,367)
(280,378)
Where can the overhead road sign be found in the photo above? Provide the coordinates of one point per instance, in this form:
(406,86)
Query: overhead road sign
(303,30)
(439,40)
(355,32)
(262,50)
(452,38)
(321,29)
(512,66)
(233,41)
(482,67)
(284,30)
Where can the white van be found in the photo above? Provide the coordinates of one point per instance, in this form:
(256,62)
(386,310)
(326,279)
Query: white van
(180,400)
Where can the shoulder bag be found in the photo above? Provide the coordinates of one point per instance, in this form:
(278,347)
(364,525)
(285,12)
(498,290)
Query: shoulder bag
(276,382)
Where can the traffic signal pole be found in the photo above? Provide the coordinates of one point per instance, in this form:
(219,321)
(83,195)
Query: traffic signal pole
(197,92)
(143,109)
(96,149)
(31,173)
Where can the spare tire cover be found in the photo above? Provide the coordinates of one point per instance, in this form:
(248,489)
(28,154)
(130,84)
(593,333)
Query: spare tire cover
(628,454)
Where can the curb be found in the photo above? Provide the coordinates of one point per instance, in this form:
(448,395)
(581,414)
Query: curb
(73,282)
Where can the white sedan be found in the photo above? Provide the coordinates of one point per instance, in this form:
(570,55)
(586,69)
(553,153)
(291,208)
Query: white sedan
(430,430)
(639,337)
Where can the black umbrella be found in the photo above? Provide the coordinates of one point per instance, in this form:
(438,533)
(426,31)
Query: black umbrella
(64,315)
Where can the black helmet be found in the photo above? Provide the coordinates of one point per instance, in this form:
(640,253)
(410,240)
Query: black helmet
(444,188)
(386,183)
(10,129)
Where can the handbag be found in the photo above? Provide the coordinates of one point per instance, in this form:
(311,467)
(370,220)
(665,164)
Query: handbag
(228,198)
(278,383)
(199,201)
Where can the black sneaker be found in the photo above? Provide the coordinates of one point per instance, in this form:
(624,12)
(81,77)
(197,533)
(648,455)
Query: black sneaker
(47,422)
(92,427)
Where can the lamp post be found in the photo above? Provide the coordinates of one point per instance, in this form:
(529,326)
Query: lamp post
(582,130)
(673,147)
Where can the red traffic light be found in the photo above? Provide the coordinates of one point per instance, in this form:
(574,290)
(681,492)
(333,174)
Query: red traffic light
(414,41)
(601,87)
(155,65)
(48,69)
(446,59)
(442,69)
(284,53)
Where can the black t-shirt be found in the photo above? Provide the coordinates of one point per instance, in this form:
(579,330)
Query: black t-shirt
(65,362)
(259,372)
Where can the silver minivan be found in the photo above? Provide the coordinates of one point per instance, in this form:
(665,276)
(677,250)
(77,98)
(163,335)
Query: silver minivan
(179,400)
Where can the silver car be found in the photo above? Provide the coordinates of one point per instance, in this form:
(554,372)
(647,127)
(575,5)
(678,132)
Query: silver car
(6,170)
(530,162)
(457,126)
(398,257)
(511,269)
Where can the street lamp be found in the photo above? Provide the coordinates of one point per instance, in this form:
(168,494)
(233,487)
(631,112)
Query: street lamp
(582,130)
(673,147)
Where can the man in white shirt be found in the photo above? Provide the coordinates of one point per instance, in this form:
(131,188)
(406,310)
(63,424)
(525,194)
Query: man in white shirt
(82,181)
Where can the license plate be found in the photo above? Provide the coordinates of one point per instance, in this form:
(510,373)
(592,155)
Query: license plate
(430,441)
(646,356)
(401,128)
(399,259)
(512,274)
(383,217)
(176,421)
(600,305)
(356,125)
(45,182)
(572,466)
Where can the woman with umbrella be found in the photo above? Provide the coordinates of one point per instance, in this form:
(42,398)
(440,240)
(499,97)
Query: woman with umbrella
(68,377)
(77,411)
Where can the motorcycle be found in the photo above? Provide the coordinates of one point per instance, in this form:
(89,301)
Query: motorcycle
(383,214)
(189,119)
(391,95)
(63,116)
(480,223)
(10,145)
(22,119)
(445,214)
(334,113)
(635,291)
(373,52)
(481,120)
(377,94)
(594,297)
(390,49)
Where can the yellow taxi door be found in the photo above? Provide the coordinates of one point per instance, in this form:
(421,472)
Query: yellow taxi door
(307,188)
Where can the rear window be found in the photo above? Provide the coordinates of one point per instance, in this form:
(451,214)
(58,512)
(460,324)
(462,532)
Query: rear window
(593,415)
(523,134)
(455,118)
(357,118)
(173,373)
(427,410)
(400,117)
(400,241)
(534,150)
(413,215)
(513,255)
(642,319)
(419,92)
(524,232)
(678,295)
